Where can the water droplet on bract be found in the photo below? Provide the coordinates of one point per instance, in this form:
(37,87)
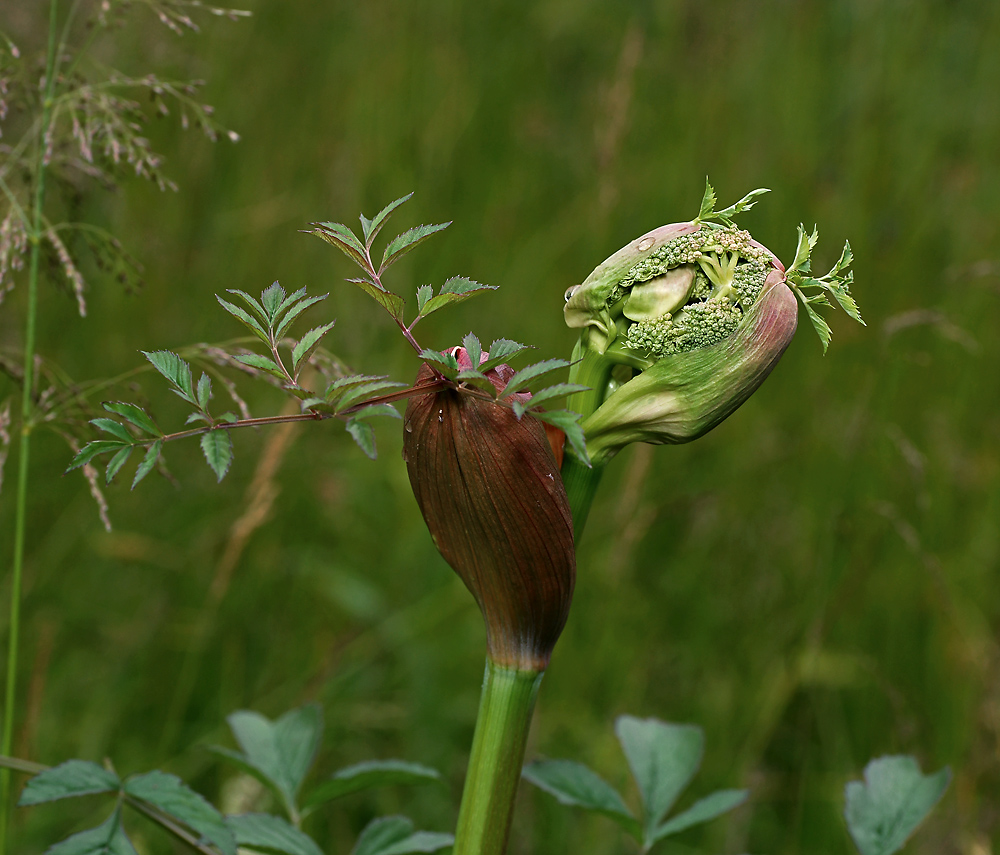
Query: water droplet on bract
(644,244)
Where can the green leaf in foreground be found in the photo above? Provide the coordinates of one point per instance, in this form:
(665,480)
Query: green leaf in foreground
(663,758)
(394,835)
(371,774)
(217,447)
(171,795)
(577,785)
(108,838)
(264,832)
(72,778)
(280,751)
(885,809)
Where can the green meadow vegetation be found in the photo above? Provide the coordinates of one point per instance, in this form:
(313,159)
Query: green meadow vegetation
(813,583)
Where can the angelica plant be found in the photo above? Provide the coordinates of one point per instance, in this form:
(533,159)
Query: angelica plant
(677,330)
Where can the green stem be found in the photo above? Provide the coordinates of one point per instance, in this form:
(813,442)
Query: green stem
(505,709)
(581,482)
(592,369)
(24,444)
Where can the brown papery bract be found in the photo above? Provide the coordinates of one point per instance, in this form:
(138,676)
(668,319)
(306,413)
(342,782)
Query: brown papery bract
(490,492)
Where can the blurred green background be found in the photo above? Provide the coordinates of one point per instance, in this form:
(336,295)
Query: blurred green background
(814,583)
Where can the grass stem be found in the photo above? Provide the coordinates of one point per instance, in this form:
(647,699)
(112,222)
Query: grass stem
(24,441)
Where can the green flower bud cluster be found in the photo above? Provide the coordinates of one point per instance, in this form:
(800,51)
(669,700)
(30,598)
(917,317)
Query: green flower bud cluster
(698,325)
(730,270)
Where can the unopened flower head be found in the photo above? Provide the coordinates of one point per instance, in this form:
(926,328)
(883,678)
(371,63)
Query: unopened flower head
(489,489)
(682,325)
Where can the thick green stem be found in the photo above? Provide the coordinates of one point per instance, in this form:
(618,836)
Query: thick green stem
(505,709)
(592,369)
(581,483)
(24,444)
